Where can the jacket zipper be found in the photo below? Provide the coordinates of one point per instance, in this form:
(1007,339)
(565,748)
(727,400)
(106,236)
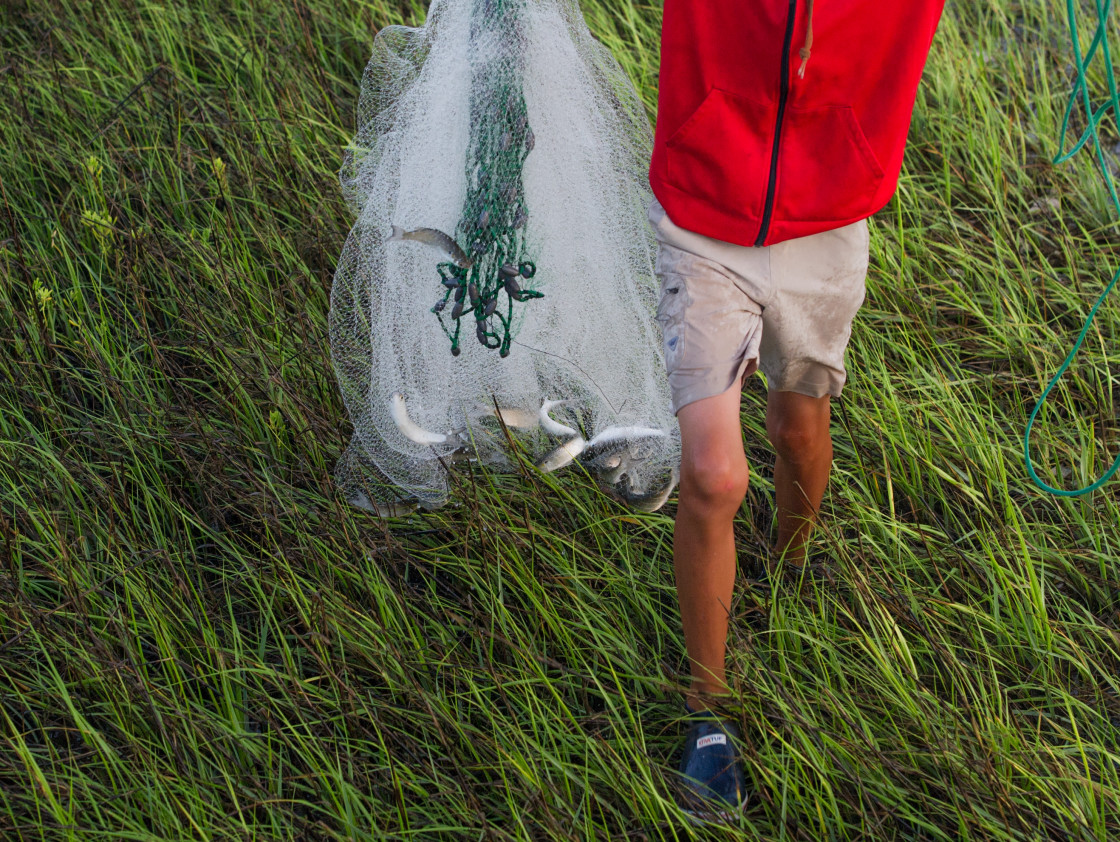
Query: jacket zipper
(782,97)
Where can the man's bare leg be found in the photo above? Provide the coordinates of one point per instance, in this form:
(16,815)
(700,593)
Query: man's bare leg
(714,477)
(797,426)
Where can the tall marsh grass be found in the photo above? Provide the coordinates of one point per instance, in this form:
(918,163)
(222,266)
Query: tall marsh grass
(200,640)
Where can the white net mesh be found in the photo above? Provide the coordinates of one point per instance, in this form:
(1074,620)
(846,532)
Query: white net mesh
(501,154)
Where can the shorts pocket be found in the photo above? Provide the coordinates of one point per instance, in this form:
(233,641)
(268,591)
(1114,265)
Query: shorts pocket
(827,171)
(670,314)
(721,153)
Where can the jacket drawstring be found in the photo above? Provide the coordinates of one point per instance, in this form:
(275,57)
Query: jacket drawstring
(804,52)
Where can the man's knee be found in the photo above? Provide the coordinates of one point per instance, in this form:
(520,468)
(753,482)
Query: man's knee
(715,484)
(799,434)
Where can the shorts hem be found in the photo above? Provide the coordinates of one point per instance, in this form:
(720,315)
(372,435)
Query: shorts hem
(812,389)
(705,389)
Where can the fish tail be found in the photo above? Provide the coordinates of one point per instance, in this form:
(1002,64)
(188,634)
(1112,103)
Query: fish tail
(398,233)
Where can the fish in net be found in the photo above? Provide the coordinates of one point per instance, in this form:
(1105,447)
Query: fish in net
(500,268)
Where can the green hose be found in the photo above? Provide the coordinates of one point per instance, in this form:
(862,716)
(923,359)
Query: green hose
(1100,41)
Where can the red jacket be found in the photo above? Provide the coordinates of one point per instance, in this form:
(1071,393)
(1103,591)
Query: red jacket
(746,150)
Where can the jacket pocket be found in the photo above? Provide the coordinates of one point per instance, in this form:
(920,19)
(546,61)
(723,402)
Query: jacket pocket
(721,154)
(826,168)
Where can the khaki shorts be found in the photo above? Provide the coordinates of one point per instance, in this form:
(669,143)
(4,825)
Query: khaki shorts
(727,310)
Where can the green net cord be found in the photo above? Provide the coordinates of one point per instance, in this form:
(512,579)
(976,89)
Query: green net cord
(1081,90)
(491,228)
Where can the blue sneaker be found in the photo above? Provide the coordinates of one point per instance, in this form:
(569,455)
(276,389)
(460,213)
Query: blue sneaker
(711,769)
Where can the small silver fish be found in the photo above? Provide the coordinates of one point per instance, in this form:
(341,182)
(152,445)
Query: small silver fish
(616,434)
(394,508)
(530,140)
(562,455)
(655,499)
(625,444)
(461,454)
(610,465)
(552,426)
(399,413)
(520,217)
(437,239)
(625,463)
(513,417)
(606,461)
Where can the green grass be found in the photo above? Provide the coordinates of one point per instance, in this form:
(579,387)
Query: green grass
(200,640)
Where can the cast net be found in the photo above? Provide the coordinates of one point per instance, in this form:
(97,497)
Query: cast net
(500,256)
